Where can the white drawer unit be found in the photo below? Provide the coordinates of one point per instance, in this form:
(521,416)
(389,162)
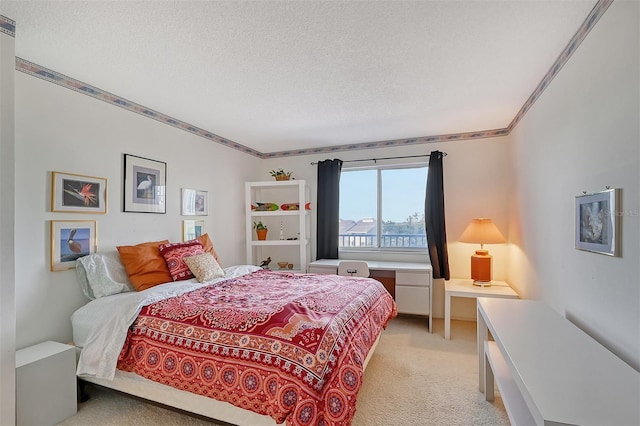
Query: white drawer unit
(45,384)
(413,292)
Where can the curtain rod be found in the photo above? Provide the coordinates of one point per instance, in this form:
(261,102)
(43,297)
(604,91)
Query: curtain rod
(444,154)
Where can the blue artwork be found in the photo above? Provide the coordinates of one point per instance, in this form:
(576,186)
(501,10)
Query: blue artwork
(74,243)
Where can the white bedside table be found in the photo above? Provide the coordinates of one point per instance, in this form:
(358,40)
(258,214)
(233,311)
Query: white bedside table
(457,287)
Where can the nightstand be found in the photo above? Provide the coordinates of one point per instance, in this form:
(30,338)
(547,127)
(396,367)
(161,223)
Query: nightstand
(457,287)
(45,384)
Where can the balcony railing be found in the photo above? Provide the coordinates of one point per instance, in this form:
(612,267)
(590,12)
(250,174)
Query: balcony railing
(386,240)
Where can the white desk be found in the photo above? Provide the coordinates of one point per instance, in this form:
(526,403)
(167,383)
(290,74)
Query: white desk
(549,371)
(464,288)
(413,283)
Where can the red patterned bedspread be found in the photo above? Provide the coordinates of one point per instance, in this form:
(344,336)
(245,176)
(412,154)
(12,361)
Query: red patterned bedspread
(286,345)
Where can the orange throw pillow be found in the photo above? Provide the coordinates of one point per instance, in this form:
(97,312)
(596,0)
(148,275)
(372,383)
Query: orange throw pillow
(207,246)
(145,265)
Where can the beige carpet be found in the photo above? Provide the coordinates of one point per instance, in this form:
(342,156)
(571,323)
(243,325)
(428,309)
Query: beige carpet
(413,378)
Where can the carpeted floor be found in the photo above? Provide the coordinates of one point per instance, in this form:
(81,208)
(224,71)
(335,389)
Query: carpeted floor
(413,378)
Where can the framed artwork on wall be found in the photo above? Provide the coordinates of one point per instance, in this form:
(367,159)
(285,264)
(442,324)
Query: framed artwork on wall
(78,193)
(71,240)
(192,229)
(597,227)
(145,183)
(195,202)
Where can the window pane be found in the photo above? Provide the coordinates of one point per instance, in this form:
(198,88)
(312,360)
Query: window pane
(403,192)
(358,208)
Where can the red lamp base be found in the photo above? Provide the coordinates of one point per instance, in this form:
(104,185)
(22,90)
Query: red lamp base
(481,268)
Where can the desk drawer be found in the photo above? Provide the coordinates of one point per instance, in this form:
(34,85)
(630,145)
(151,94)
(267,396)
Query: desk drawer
(323,269)
(412,300)
(420,279)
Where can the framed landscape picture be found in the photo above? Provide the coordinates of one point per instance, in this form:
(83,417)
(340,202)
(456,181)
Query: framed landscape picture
(195,202)
(78,193)
(597,227)
(71,240)
(145,183)
(192,229)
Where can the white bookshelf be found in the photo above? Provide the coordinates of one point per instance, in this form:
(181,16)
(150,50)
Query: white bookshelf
(295,224)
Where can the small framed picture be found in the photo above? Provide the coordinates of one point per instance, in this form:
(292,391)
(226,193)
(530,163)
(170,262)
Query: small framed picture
(597,227)
(71,240)
(78,193)
(145,183)
(192,229)
(194,202)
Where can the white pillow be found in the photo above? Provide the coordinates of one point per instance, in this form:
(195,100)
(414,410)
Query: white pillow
(102,274)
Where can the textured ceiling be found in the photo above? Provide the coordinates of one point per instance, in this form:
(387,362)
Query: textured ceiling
(285,75)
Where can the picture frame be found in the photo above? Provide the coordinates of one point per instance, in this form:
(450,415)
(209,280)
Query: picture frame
(145,185)
(192,229)
(71,240)
(195,202)
(597,222)
(76,193)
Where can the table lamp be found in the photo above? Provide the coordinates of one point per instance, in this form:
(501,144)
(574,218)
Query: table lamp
(482,231)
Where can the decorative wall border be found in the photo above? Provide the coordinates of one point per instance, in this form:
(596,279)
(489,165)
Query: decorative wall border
(588,24)
(35,70)
(7,26)
(86,89)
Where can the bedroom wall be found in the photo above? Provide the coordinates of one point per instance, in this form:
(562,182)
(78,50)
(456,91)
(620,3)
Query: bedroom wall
(60,130)
(582,135)
(476,184)
(7,222)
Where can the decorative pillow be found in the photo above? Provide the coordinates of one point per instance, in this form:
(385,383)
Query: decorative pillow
(145,265)
(207,246)
(204,267)
(102,274)
(174,253)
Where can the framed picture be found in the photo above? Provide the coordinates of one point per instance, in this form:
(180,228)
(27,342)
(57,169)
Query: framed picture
(194,202)
(145,183)
(192,229)
(78,193)
(70,240)
(597,222)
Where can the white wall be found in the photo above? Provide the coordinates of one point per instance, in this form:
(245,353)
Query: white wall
(582,135)
(7,221)
(60,130)
(476,184)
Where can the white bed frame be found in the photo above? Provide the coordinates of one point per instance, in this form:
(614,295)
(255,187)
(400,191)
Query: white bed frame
(132,384)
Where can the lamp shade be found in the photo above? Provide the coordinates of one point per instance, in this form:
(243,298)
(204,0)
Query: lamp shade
(482,231)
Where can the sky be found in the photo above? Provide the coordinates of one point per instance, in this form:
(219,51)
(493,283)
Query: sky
(403,193)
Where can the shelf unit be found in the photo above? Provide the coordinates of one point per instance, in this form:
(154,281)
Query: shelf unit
(297,222)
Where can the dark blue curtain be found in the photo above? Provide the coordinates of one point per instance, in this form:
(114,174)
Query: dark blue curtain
(434,218)
(328,222)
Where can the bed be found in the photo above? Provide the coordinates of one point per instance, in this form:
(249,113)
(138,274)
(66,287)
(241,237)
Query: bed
(249,347)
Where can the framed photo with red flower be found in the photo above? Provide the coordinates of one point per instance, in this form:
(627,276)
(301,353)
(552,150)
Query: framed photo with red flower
(78,193)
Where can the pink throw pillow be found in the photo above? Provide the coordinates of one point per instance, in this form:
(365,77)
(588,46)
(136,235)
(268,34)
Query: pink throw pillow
(174,254)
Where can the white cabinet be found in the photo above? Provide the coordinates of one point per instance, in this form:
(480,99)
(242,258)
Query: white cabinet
(45,384)
(413,293)
(288,236)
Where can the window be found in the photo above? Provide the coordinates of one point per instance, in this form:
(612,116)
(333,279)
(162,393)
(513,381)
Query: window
(393,194)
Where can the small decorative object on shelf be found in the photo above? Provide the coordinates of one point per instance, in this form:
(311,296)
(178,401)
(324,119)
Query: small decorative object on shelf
(265,263)
(290,266)
(280,174)
(283,265)
(261,230)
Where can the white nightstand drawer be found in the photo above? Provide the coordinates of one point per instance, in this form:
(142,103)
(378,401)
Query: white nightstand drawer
(420,279)
(412,300)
